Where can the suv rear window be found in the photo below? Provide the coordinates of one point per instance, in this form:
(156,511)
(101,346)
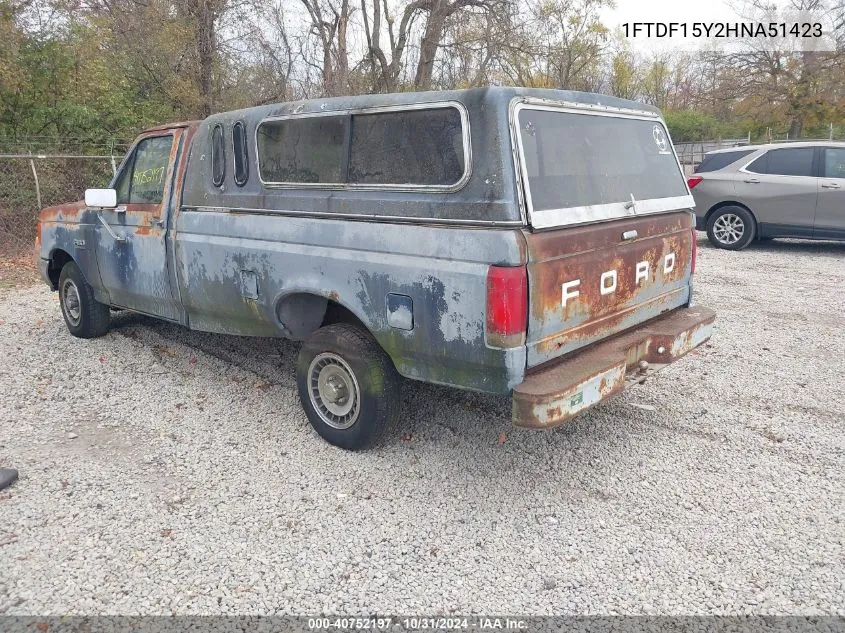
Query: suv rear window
(713,162)
(794,161)
(577,160)
(419,147)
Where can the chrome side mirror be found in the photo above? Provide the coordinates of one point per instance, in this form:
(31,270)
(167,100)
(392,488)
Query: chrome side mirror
(103,198)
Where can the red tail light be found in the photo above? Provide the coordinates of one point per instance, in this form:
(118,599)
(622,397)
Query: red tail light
(693,181)
(694,248)
(507,305)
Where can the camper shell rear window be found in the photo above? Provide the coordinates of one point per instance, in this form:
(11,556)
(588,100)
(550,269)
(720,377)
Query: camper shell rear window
(423,147)
(581,166)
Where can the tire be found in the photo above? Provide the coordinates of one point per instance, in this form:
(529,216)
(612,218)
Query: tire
(731,228)
(348,387)
(85,317)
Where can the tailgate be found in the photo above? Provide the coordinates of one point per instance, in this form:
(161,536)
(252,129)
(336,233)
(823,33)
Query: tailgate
(610,244)
(589,282)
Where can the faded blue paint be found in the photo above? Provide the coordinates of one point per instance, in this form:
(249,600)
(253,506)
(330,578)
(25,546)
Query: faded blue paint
(228,257)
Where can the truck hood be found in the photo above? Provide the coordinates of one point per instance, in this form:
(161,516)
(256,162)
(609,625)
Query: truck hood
(68,211)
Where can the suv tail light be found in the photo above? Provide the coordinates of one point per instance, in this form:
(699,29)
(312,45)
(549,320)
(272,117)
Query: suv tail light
(694,248)
(507,305)
(693,181)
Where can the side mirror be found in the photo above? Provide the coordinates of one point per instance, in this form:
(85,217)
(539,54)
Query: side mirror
(106,198)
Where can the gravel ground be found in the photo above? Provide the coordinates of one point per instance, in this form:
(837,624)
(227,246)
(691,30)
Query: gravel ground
(167,471)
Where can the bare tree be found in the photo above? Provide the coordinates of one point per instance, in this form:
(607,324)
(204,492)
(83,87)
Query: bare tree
(329,23)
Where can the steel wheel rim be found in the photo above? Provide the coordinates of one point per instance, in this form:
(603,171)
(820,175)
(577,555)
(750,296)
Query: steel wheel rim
(71,302)
(729,228)
(333,390)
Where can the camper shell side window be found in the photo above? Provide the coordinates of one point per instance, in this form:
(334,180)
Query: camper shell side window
(410,148)
(240,153)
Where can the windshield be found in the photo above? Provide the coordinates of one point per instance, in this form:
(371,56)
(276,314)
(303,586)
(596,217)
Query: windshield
(577,160)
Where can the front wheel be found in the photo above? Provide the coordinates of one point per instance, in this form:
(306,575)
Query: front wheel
(732,228)
(85,317)
(348,386)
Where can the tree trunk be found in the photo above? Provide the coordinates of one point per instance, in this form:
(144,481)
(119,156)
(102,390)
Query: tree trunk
(341,79)
(206,45)
(430,43)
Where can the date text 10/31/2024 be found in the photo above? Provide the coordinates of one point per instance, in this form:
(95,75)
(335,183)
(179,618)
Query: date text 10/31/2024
(733,30)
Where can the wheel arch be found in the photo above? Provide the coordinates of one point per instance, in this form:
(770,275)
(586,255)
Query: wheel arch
(733,203)
(302,312)
(319,310)
(58,258)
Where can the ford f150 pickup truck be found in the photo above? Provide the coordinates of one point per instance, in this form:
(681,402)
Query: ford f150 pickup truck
(537,243)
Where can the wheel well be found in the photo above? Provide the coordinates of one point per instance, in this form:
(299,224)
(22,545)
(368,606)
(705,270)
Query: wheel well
(303,313)
(336,313)
(58,259)
(729,203)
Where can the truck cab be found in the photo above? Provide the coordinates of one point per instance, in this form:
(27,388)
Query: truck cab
(527,242)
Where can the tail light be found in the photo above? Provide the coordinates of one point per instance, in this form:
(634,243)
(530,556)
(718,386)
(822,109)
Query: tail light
(38,232)
(693,181)
(694,249)
(507,305)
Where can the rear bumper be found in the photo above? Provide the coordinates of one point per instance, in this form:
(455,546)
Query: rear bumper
(554,394)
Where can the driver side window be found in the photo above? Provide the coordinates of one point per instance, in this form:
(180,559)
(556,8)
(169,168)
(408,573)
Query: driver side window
(142,179)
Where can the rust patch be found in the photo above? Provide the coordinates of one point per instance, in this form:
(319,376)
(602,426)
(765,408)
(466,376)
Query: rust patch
(547,245)
(584,254)
(181,169)
(554,412)
(62,212)
(659,342)
(599,327)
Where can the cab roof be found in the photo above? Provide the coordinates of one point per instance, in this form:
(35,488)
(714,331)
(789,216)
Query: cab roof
(490,95)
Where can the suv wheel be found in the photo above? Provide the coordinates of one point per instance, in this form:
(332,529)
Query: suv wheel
(348,386)
(732,228)
(85,317)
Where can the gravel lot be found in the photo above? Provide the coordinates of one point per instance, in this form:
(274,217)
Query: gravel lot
(167,471)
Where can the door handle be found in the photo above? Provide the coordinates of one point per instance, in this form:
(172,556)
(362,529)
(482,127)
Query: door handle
(830,185)
(121,209)
(752,181)
(156,221)
(115,236)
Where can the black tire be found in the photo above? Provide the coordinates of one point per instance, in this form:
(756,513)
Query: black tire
(732,228)
(343,361)
(85,317)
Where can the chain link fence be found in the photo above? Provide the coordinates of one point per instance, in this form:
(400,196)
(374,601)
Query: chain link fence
(30,182)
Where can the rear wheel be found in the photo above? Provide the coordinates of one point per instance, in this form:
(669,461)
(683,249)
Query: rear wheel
(732,228)
(348,386)
(85,317)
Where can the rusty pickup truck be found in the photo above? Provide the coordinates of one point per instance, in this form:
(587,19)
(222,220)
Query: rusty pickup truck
(537,243)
